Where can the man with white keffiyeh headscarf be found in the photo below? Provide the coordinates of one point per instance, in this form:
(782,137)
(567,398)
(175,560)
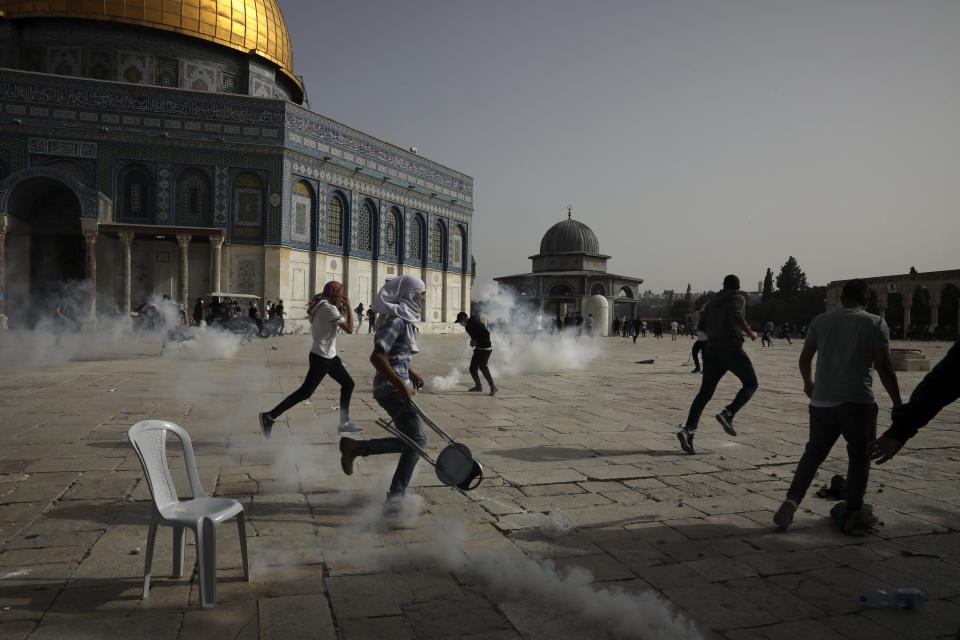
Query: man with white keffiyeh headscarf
(398,307)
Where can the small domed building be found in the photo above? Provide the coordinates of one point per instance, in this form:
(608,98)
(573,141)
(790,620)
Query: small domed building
(570,276)
(152,148)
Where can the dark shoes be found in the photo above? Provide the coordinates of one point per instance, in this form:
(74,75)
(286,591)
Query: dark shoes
(686,440)
(726,421)
(476,388)
(349,449)
(784,515)
(697,370)
(493,391)
(266,425)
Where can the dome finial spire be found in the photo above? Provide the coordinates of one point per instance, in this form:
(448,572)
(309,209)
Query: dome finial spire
(569,212)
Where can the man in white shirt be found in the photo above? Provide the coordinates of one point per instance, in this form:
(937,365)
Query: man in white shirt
(325,311)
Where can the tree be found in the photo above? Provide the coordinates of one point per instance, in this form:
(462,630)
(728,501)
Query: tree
(792,280)
(767,285)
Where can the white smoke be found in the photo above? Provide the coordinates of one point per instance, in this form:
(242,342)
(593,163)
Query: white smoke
(519,347)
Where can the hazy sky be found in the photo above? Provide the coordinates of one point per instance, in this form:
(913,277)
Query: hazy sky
(696,138)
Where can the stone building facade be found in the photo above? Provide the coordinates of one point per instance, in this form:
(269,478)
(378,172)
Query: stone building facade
(148,151)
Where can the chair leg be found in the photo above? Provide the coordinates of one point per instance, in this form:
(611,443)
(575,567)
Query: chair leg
(243,546)
(207,562)
(179,542)
(148,560)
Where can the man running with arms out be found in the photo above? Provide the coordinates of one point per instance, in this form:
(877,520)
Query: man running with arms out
(722,321)
(482,348)
(325,313)
(398,307)
(847,342)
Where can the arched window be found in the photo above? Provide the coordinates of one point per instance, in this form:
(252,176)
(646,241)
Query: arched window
(247,200)
(193,198)
(416,239)
(598,290)
(391,241)
(302,211)
(134,197)
(364,227)
(436,243)
(458,247)
(335,221)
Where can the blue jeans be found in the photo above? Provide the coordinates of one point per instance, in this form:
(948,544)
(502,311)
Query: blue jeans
(406,420)
(716,363)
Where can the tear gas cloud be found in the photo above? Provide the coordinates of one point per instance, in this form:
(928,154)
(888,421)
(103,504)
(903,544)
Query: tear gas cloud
(524,340)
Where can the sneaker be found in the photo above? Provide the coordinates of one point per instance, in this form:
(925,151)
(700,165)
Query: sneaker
(784,515)
(476,388)
(726,421)
(348,451)
(266,425)
(392,506)
(686,440)
(697,370)
(493,391)
(348,427)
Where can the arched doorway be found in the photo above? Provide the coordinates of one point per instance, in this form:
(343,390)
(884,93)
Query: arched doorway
(45,258)
(919,313)
(872,304)
(947,315)
(561,299)
(894,315)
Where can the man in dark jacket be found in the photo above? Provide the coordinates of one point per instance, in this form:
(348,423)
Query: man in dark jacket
(938,388)
(722,321)
(482,348)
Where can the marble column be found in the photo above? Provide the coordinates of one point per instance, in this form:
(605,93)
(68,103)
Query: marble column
(183,240)
(216,246)
(3,287)
(90,238)
(126,242)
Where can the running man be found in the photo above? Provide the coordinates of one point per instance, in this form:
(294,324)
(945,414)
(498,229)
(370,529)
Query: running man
(482,349)
(325,311)
(723,322)
(848,342)
(398,307)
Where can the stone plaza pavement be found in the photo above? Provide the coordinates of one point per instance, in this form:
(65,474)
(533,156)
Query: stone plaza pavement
(662,533)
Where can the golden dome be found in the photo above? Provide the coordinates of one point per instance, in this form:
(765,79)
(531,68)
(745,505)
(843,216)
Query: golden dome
(252,26)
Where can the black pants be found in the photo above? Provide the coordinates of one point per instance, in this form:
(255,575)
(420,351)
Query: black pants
(857,423)
(697,348)
(479,362)
(716,363)
(319,367)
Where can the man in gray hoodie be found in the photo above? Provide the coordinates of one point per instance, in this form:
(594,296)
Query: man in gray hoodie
(725,325)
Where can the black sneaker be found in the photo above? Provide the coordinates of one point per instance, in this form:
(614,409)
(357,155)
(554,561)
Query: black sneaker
(726,421)
(493,391)
(686,440)
(784,515)
(266,425)
(697,370)
(476,388)
(348,427)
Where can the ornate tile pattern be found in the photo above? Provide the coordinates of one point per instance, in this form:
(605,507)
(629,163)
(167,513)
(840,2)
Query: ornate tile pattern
(220,195)
(163,195)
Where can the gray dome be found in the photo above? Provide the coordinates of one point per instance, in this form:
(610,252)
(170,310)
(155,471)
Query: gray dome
(570,236)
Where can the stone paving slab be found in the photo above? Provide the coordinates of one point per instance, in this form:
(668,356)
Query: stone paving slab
(597,445)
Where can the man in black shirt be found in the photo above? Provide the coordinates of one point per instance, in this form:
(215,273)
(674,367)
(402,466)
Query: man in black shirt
(724,323)
(482,348)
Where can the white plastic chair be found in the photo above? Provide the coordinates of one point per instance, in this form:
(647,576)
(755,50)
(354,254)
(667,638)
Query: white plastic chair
(202,514)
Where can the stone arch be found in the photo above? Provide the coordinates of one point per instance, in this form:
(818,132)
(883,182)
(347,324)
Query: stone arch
(625,292)
(438,243)
(336,210)
(303,213)
(598,290)
(193,198)
(72,168)
(367,225)
(393,234)
(45,255)
(920,315)
(948,311)
(418,233)
(560,289)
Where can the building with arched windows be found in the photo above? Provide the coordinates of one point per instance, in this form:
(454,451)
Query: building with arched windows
(163,148)
(570,272)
